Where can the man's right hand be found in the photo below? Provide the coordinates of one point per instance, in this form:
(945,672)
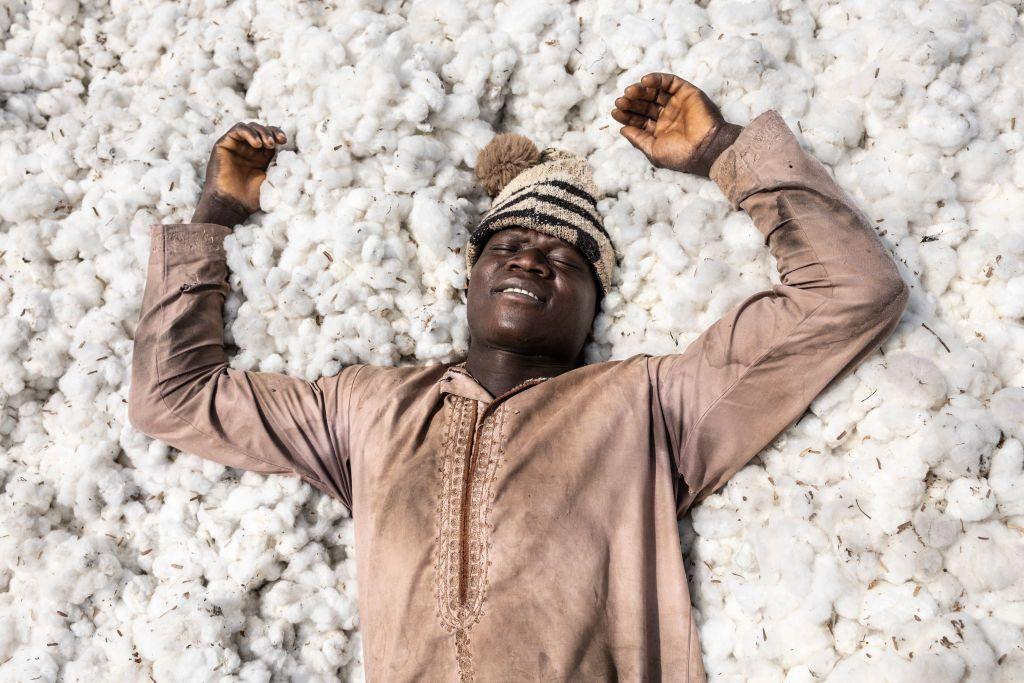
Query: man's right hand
(237,168)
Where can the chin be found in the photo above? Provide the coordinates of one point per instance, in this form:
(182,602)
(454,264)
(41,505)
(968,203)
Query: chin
(520,338)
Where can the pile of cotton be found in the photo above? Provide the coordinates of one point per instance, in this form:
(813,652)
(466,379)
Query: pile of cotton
(879,538)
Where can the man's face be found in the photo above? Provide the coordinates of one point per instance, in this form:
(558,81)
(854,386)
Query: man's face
(556,321)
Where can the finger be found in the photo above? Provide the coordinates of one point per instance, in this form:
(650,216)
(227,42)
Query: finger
(255,139)
(279,135)
(672,84)
(639,138)
(637,91)
(629,119)
(265,135)
(648,93)
(642,107)
(669,83)
(244,134)
(271,136)
(635,120)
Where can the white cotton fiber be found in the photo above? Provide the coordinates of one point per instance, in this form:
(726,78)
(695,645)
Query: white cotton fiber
(886,522)
(970,499)
(1008,411)
(987,558)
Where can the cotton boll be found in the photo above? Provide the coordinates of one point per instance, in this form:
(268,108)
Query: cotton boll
(928,564)
(980,163)
(719,632)
(890,491)
(801,638)
(415,162)
(917,381)
(848,635)
(940,266)
(966,371)
(195,663)
(294,301)
(714,524)
(843,123)
(887,606)
(750,489)
(1007,408)
(936,530)
(429,223)
(1006,477)
(970,499)
(1007,300)
(953,446)
(30,492)
(31,664)
(629,39)
(976,258)
(986,563)
(970,644)
(799,674)
(901,557)
(1012,669)
(934,125)
(254,672)
(894,421)
(945,589)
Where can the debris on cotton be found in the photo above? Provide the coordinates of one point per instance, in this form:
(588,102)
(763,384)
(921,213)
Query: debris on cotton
(878,538)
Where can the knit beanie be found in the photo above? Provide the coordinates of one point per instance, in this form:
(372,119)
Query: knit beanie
(550,191)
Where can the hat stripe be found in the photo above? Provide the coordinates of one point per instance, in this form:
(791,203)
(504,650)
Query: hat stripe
(515,196)
(552,199)
(572,189)
(562,185)
(585,242)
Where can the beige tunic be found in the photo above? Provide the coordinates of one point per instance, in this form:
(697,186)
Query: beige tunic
(533,535)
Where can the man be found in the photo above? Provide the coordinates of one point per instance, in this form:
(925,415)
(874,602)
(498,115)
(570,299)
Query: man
(516,513)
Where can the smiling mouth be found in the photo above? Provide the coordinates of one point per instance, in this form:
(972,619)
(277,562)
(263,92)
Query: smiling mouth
(516,292)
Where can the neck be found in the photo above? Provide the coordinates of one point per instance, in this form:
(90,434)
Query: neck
(498,370)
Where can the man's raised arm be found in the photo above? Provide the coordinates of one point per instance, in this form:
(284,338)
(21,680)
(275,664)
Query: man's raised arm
(753,373)
(182,390)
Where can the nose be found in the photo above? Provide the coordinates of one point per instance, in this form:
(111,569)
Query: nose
(531,259)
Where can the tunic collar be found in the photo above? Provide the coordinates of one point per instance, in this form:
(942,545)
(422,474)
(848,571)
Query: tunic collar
(457,380)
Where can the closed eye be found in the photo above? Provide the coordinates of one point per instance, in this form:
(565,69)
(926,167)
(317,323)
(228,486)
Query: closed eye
(567,262)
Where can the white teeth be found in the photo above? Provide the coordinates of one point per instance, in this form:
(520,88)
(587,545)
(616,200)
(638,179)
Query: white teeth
(520,291)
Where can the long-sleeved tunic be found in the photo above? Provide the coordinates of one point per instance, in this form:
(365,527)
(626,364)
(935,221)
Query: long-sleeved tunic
(533,535)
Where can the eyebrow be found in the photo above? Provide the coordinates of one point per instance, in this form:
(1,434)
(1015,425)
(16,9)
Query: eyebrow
(519,237)
(560,244)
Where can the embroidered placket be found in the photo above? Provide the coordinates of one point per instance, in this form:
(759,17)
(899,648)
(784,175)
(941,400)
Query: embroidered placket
(471,454)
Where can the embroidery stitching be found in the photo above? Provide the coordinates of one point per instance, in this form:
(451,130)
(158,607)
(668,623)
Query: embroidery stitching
(481,527)
(193,240)
(763,139)
(452,471)
(734,165)
(455,617)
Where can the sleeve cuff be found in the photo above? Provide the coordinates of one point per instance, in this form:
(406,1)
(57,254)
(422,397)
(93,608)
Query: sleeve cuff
(198,238)
(735,169)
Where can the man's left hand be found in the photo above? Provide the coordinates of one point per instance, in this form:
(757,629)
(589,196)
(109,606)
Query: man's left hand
(673,123)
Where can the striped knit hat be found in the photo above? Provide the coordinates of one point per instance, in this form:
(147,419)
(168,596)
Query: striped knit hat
(550,191)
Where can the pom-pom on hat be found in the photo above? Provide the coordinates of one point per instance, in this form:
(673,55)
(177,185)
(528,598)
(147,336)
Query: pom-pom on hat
(551,191)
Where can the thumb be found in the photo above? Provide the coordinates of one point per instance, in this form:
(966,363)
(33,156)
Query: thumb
(639,138)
